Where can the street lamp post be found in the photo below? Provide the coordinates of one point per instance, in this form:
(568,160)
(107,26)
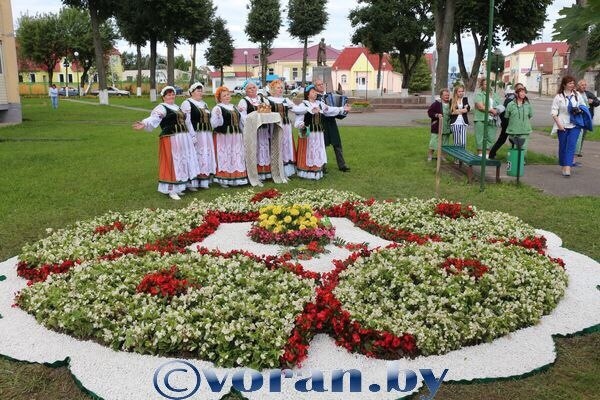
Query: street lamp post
(246,62)
(383,64)
(76,55)
(66,65)
(541,74)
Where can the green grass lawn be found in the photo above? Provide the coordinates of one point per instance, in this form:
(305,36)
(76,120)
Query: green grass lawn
(82,160)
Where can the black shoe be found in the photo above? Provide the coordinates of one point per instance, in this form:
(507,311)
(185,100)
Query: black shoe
(345,169)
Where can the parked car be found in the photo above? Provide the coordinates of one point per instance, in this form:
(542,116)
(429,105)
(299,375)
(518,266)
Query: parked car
(67,89)
(239,91)
(178,90)
(297,90)
(112,91)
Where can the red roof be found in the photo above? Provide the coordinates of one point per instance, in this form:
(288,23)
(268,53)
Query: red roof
(349,55)
(560,47)
(281,54)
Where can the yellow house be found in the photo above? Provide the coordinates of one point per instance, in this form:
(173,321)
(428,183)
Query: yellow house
(355,71)
(10,102)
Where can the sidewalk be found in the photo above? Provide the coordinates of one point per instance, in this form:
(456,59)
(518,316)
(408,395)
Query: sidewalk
(584,180)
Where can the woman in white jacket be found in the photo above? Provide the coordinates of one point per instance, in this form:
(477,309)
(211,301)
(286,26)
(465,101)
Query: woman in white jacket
(565,101)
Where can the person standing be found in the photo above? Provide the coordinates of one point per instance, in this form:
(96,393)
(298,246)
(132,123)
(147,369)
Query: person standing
(229,141)
(282,105)
(459,106)
(509,96)
(519,113)
(177,161)
(248,104)
(591,101)
(197,119)
(479,117)
(310,115)
(437,109)
(565,101)
(53,93)
(331,131)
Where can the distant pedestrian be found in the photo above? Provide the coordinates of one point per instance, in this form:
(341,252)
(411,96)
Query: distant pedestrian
(591,101)
(459,107)
(565,103)
(439,109)
(53,93)
(509,96)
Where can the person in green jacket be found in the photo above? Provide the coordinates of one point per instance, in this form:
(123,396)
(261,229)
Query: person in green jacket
(495,108)
(519,113)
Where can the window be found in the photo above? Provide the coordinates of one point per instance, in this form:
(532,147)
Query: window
(256,57)
(20,78)
(344,78)
(294,73)
(61,78)
(70,78)
(32,78)
(271,71)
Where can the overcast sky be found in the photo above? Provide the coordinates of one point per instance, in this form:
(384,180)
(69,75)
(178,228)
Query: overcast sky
(337,32)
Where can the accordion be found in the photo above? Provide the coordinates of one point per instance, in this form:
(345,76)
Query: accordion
(336,100)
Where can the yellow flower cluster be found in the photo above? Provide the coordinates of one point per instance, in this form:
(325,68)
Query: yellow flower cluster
(281,219)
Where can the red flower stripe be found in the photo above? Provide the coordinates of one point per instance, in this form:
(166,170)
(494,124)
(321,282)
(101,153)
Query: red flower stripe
(473,267)
(163,283)
(104,229)
(454,210)
(265,194)
(40,273)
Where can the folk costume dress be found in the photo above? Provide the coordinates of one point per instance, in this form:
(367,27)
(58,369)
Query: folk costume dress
(229,145)
(177,161)
(311,154)
(263,147)
(282,106)
(197,120)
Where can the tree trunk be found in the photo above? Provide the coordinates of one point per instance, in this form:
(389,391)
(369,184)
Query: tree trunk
(139,70)
(50,71)
(379,70)
(153,69)
(193,73)
(304,61)
(170,60)
(222,77)
(99,54)
(263,64)
(444,27)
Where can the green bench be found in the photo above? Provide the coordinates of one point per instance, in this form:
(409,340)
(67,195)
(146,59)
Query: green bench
(470,159)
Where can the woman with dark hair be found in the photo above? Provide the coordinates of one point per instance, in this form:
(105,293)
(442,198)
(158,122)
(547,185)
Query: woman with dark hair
(229,141)
(519,113)
(311,141)
(177,161)
(437,109)
(565,103)
(197,119)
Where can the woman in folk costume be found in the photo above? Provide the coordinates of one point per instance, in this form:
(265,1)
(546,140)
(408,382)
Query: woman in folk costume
(177,161)
(229,141)
(197,119)
(311,142)
(282,105)
(248,104)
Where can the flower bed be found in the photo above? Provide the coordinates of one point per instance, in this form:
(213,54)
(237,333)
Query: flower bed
(462,276)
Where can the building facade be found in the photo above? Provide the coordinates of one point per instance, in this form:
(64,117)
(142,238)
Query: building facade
(10,102)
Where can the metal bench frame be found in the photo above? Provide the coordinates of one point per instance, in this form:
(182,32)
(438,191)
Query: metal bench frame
(470,159)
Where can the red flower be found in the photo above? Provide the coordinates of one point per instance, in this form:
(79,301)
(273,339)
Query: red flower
(266,194)
(454,210)
(164,283)
(473,267)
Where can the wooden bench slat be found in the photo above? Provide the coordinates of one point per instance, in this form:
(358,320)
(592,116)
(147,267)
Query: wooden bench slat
(470,159)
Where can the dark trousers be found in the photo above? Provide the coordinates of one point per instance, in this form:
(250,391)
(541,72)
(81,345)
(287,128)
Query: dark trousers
(501,140)
(339,157)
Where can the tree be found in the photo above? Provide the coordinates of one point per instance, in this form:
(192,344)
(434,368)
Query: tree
(421,77)
(75,25)
(306,18)
(199,31)
(129,60)
(40,40)
(181,63)
(264,21)
(443,15)
(472,17)
(374,26)
(220,50)
(584,43)
(100,11)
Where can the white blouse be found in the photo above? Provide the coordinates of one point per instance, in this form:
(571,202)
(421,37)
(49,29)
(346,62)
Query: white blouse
(216,116)
(560,109)
(157,114)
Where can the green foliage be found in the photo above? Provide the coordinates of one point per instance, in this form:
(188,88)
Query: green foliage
(421,78)
(571,27)
(220,50)
(199,28)
(262,26)
(181,63)
(41,41)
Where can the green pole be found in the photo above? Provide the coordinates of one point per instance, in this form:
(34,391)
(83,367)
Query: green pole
(487,95)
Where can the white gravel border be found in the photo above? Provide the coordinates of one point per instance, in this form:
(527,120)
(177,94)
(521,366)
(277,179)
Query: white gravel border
(119,375)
